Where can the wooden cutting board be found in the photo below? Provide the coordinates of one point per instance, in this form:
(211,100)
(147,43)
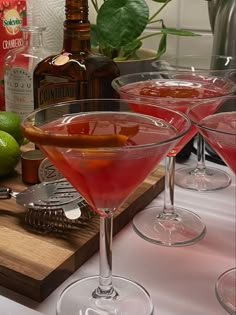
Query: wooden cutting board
(34,264)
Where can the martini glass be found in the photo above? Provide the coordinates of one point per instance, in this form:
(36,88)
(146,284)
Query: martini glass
(200,177)
(171,225)
(219,129)
(105,155)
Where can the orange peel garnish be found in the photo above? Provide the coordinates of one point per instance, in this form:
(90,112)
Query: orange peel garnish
(40,137)
(129,131)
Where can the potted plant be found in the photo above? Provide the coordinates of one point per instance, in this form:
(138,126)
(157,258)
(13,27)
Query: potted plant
(118,32)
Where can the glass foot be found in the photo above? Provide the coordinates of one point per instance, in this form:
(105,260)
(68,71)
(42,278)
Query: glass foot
(183,228)
(226,290)
(209,179)
(130,298)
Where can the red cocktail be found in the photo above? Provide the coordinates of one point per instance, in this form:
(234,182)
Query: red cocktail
(97,173)
(179,90)
(178,94)
(105,155)
(224,140)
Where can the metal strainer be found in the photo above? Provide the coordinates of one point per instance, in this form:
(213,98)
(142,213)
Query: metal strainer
(52,206)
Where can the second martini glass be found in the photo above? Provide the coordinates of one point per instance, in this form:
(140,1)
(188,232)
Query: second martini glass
(171,225)
(105,155)
(219,129)
(201,177)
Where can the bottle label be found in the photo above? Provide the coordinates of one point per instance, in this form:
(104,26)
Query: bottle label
(58,89)
(13,15)
(12,21)
(47,172)
(61,59)
(19,91)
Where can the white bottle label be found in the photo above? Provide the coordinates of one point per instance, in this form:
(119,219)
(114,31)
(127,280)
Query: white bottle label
(19,91)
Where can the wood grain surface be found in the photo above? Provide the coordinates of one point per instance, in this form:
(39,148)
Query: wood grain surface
(35,263)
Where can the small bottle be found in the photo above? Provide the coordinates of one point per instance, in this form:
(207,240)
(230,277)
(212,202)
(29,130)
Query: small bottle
(18,71)
(75,73)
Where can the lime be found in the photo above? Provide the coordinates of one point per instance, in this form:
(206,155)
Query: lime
(9,153)
(10,123)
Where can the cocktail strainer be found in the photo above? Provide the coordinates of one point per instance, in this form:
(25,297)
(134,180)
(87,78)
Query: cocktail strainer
(52,206)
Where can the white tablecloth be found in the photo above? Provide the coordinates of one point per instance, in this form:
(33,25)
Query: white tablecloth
(180,280)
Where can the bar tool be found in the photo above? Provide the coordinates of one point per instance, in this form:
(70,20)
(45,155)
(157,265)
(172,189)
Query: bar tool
(51,206)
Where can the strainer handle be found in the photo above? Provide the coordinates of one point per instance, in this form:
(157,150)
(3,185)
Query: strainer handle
(5,193)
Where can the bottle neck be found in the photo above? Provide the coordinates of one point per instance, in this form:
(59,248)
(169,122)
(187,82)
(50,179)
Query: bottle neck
(33,37)
(77,10)
(76,26)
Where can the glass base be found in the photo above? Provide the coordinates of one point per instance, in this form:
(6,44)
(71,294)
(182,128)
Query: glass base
(130,298)
(226,290)
(209,179)
(182,228)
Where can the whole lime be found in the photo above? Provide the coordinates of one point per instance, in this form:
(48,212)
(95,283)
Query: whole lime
(9,153)
(10,123)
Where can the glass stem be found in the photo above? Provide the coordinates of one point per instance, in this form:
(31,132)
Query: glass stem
(105,288)
(200,154)
(168,212)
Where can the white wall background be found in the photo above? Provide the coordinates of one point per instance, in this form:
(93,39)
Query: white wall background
(187,14)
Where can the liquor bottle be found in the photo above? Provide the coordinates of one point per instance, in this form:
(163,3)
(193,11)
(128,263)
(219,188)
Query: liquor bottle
(76,72)
(19,64)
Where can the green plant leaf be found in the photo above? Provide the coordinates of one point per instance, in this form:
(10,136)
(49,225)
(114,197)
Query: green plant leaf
(178,32)
(96,42)
(119,22)
(94,36)
(129,50)
(133,46)
(162,46)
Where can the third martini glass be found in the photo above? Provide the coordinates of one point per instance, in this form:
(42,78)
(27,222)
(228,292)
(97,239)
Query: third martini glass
(219,129)
(105,155)
(171,225)
(201,177)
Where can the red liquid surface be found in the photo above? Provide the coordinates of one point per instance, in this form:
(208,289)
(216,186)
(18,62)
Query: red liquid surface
(178,95)
(224,143)
(106,177)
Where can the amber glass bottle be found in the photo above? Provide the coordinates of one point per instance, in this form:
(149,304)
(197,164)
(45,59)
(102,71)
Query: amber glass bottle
(75,73)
